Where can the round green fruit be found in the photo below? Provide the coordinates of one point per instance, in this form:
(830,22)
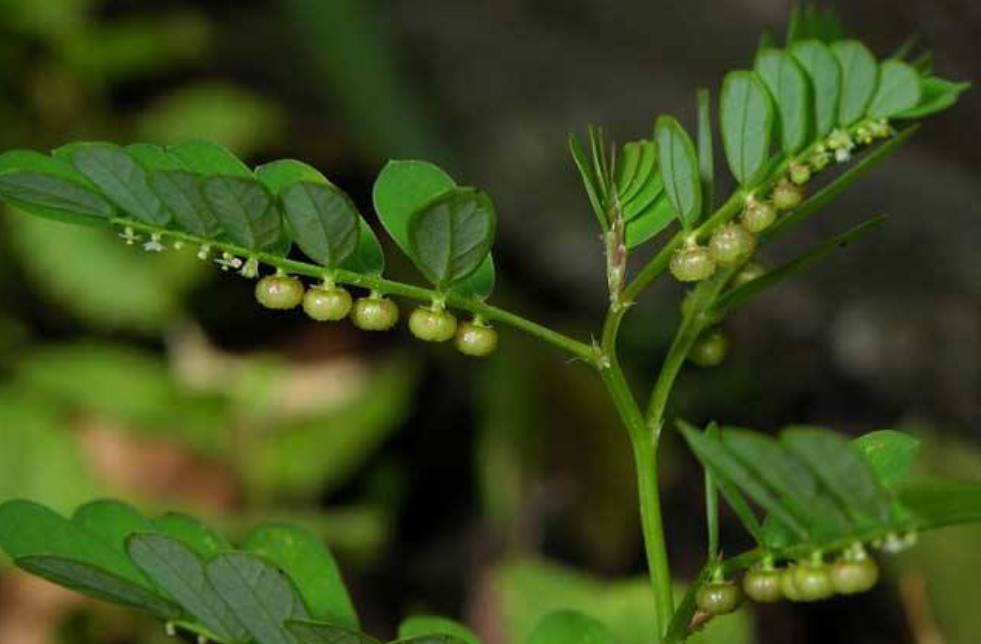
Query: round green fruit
(374,313)
(718,598)
(800,173)
(693,263)
(327,303)
(475,339)
(852,577)
(731,244)
(813,582)
(788,584)
(710,350)
(758,216)
(432,325)
(787,196)
(749,272)
(763,585)
(280,292)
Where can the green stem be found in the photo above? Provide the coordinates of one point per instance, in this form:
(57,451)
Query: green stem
(379,284)
(644,443)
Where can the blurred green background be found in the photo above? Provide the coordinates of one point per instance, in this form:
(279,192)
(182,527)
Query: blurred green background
(472,489)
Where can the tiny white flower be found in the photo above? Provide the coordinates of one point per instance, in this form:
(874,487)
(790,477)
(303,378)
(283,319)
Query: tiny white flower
(843,155)
(250,269)
(170,629)
(154,245)
(203,252)
(227,261)
(178,245)
(129,236)
(840,139)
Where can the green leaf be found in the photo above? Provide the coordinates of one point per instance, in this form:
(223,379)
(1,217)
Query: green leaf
(726,466)
(320,633)
(404,188)
(746,116)
(113,521)
(428,625)
(679,169)
(859,79)
(938,95)
(824,72)
(178,570)
(208,159)
(630,184)
(570,627)
(826,195)
(843,472)
(789,88)
(180,192)
(51,188)
(324,221)
(934,505)
(311,566)
(588,180)
(706,156)
(742,294)
(119,177)
(650,222)
(890,454)
(29,529)
(247,212)
(783,472)
(200,538)
(642,201)
(260,596)
(450,236)
(431,639)
(98,583)
(899,90)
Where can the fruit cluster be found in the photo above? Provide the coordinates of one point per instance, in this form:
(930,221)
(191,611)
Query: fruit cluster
(331,303)
(805,581)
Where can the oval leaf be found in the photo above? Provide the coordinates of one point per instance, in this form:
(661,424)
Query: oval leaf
(418,627)
(120,178)
(180,192)
(570,627)
(822,68)
(789,88)
(175,568)
(51,188)
(321,633)
(859,77)
(246,211)
(324,221)
(746,115)
(312,568)
(194,534)
(650,222)
(890,454)
(678,162)
(451,236)
(900,89)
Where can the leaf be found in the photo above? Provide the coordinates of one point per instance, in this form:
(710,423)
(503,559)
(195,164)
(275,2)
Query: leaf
(796,485)
(827,194)
(452,235)
(98,583)
(320,633)
(180,192)
(938,95)
(890,454)
(208,159)
(422,625)
(177,569)
(788,86)
(899,90)
(368,258)
(111,520)
(824,72)
(679,169)
(934,505)
(746,117)
(29,529)
(859,79)
(642,201)
(726,466)
(842,471)
(311,566)
(588,180)
(570,627)
(650,222)
(644,173)
(120,178)
(50,188)
(402,189)
(741,294)
(260,596)
(246,210)
(194,534)
(706,157)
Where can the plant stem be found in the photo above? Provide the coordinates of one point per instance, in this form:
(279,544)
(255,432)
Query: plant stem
(379,284)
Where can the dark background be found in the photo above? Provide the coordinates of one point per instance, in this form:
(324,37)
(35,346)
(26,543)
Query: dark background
(438,480)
